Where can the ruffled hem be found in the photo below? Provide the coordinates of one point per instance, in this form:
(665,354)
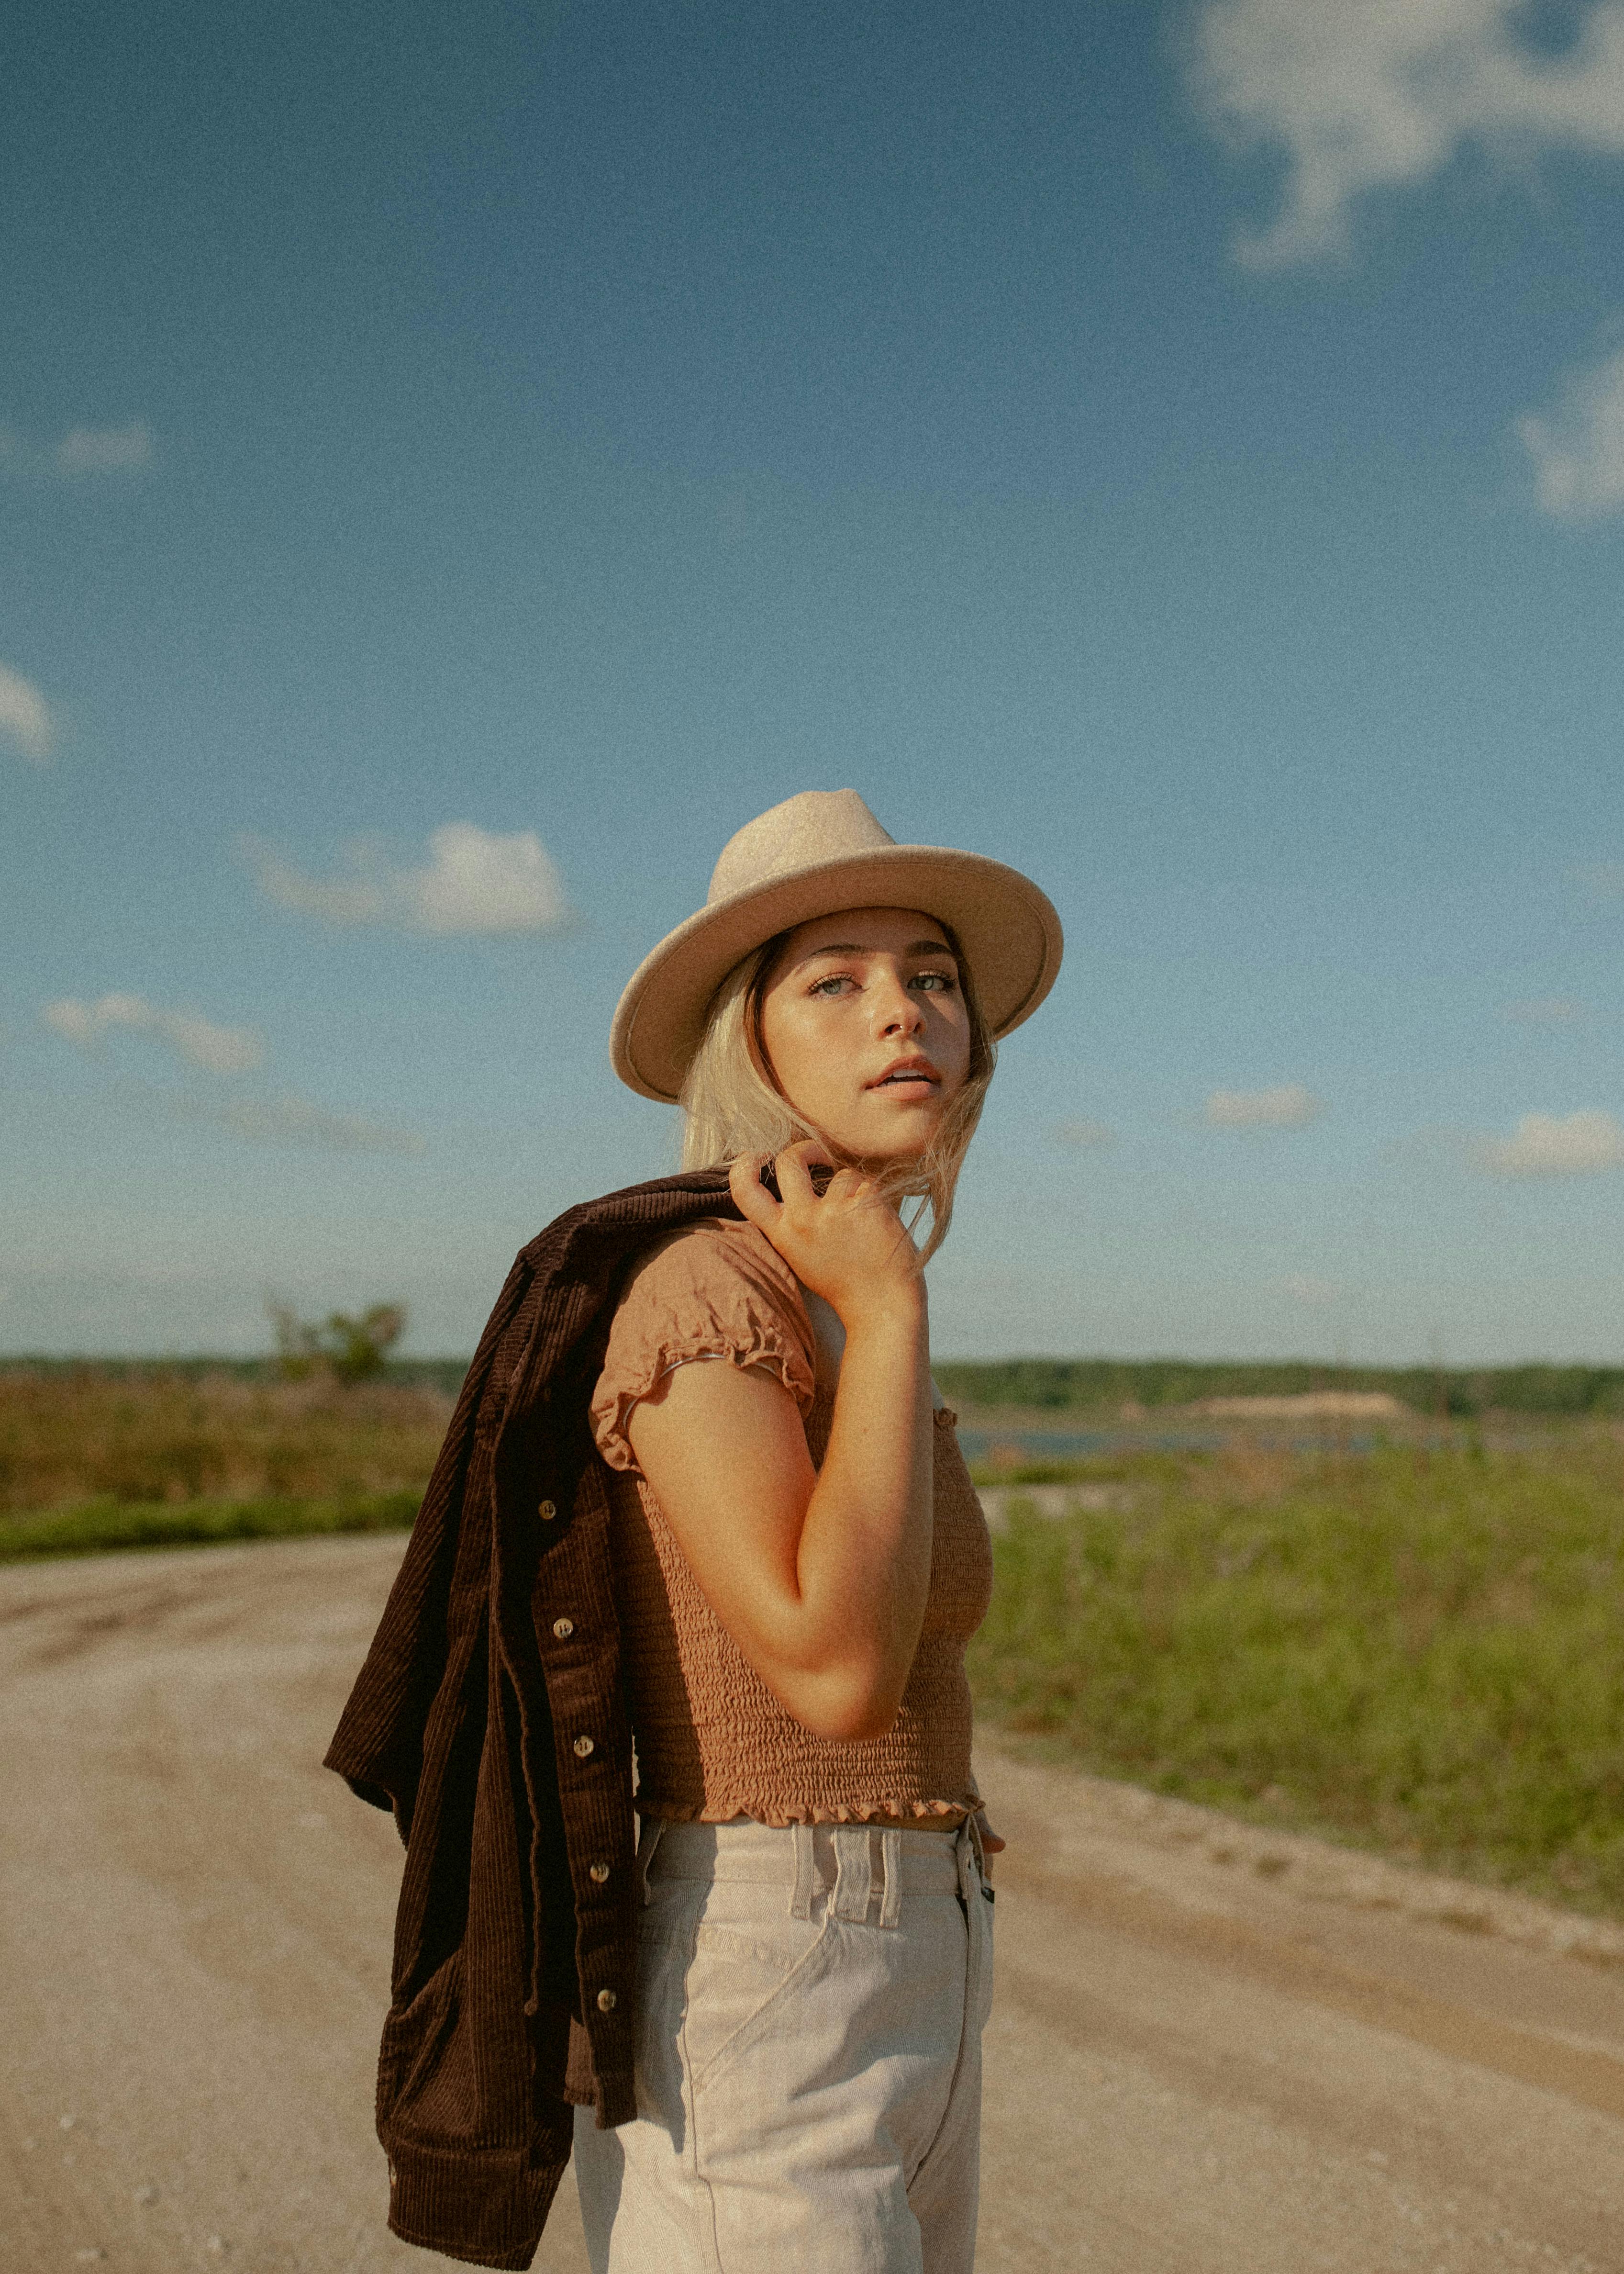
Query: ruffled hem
(781,1816)
(777,1354)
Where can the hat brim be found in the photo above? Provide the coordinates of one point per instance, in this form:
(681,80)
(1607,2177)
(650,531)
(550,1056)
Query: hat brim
(1007,927)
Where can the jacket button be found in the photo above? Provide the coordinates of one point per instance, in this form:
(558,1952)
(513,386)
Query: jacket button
(598,1872)
(563,1629)
(546,1511)
(583,1746)
(607,2001)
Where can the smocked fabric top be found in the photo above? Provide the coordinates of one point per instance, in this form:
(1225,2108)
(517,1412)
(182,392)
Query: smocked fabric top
(712,1740)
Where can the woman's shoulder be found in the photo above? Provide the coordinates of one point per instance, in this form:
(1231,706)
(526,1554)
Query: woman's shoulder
(714,1290)
(714,1260)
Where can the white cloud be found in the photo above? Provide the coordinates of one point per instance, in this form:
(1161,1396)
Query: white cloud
(1368,94)
(295,1120)
(473,881)
(1551,1145)
(24,716)
(1601,880)
(105,449)
(1290,1106)
(1083,1135)
(218,1049)
(1544,1011)
(1578,447)
(1315,1294)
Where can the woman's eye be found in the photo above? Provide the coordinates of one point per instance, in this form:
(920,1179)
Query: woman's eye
(936,982)
(831,986)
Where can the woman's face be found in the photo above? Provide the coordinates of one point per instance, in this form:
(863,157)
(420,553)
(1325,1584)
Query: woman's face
(864,1021)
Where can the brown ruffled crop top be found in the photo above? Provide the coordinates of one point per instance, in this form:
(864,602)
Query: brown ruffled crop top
(712,1740)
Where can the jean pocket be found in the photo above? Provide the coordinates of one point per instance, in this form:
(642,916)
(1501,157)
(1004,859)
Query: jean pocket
(664,1944)
(739,1981)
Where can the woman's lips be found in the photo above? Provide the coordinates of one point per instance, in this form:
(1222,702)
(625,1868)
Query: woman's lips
(907,1078)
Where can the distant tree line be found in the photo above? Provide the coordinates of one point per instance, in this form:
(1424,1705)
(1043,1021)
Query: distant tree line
(1057,1384)
(444,1374)
(1093,1383)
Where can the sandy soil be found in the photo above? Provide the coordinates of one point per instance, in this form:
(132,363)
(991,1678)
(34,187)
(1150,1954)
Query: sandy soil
(1213,2051)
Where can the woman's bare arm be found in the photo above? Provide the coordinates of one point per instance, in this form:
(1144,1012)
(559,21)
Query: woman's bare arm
(819,1576)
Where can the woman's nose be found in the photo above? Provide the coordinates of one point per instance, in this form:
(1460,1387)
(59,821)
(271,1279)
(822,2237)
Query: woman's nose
(897,1011)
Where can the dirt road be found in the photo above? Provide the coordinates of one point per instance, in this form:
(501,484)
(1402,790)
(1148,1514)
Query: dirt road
(1213,2051)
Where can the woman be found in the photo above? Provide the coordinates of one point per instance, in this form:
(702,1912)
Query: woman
(800,1561)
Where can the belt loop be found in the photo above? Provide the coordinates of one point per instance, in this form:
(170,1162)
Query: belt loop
(891,1864)
(853,1872)
(806,1876)
(966,1855)
(653,1832)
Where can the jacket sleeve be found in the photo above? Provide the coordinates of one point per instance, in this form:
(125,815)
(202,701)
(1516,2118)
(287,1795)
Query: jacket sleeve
(377,1745)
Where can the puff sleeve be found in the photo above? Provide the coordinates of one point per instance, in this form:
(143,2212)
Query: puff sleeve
(715,1290)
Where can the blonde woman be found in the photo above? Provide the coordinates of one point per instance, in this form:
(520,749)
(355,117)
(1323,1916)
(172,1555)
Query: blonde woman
(700,1533)
(801,1560)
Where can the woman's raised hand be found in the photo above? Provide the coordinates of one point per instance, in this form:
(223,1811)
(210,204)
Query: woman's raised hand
(850,1246)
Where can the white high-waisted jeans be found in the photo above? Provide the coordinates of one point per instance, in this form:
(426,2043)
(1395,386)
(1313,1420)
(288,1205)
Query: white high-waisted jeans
(810,2004)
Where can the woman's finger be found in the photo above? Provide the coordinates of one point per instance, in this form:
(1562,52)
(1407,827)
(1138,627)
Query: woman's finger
(990,1839)
(754,1203)
(795,1165)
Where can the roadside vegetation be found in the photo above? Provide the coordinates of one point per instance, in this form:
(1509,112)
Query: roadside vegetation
(1415,1648)
(101,1527)
(92,1438)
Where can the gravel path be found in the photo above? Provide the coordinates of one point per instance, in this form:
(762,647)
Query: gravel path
(1214,2052)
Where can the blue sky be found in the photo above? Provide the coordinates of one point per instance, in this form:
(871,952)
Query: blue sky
(459,465)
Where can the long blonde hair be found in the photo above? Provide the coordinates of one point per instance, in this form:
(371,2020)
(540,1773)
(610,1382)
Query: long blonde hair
(731,1104)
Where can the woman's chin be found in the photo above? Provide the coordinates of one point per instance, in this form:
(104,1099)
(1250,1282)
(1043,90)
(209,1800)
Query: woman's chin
(898,1133)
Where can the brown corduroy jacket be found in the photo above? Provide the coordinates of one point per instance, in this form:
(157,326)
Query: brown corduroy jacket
(490,1716)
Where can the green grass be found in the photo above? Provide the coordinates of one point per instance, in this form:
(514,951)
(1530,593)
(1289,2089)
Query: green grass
(1420,1652)
(98,1527)
(72,1435)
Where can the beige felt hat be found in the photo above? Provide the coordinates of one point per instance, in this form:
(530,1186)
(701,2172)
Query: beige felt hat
(811,856)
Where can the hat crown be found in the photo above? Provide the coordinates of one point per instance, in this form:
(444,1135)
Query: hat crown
(803,833)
